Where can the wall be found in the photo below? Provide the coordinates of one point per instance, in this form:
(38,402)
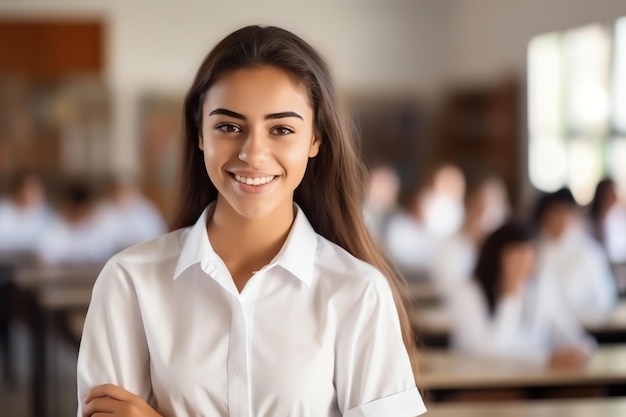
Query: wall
(488,39)
(371,44)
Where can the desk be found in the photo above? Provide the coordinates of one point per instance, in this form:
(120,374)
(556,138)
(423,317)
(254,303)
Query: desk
(39,276)
(54,290)
(558,408)
(445,370)
(422,293)
(432,324)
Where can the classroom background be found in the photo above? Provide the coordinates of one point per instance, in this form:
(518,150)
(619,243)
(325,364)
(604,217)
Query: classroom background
(492,130)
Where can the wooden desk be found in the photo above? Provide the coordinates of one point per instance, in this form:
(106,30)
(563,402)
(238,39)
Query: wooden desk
(617,321)
(558,408)
(423,293)
(40,276)
(432,323)
(451,370)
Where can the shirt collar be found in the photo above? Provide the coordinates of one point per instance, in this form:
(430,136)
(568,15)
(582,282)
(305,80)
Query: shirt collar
(297,256)
(195,245)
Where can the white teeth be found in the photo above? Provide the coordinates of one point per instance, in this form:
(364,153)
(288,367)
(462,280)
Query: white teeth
(253,180)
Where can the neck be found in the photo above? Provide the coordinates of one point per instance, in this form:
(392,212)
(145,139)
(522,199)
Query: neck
(247,244)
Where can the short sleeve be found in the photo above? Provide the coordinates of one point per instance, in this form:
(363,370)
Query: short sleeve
(113,347)
(373,374)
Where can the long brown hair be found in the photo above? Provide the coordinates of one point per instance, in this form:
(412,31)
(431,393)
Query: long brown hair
(332,189)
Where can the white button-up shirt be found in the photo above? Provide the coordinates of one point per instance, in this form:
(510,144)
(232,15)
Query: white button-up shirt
(314,333)
(528,326)
(580,269)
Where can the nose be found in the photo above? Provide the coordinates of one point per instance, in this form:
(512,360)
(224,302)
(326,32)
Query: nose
(254,150)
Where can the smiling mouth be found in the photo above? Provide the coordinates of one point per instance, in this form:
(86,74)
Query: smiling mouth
(254,181)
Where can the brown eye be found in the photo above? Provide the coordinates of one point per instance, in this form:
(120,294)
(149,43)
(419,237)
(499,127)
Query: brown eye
(228,128)
(281,131)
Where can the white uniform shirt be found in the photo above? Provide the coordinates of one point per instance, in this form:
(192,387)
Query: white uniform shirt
(409,245)
(580,269)
(314,333)
(526,327)
(135,222)
(454,263)
(614,232)
(91,241)
(20,229)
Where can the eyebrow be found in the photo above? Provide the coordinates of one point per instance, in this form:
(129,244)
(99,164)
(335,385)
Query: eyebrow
(236,115)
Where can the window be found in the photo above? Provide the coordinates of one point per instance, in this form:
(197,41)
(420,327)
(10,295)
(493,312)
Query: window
(577,108)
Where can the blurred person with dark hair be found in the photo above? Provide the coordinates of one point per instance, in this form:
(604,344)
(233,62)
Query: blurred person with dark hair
(408,242)
(506,311)
(573,259)
(486,208)
(80,234)
(24,215)
(607,214)
(132,216)
(381,199)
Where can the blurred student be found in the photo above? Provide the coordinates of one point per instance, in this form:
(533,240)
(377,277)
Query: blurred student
(408,242)
(80,234)
(486,208)
(573,259)
(443,212)
(24,215)
(506,311)
(381,199)
(133,218)
(608,219)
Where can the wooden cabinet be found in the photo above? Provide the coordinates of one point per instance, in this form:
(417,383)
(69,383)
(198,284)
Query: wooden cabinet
(37,58)
(479,129)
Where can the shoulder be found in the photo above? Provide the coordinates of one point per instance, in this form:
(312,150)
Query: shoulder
(339,272)
(162,249)
(337,262)
(146,261)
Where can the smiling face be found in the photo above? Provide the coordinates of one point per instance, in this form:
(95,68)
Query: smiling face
(257,137)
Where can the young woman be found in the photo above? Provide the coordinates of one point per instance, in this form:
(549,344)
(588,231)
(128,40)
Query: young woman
(270,299)
(607,214)
(505,311)
(574,260)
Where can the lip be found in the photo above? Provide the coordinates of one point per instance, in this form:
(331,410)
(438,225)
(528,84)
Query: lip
(252,189)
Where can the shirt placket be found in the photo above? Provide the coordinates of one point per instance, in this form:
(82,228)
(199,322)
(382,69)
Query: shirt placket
(238,395)
(239,378)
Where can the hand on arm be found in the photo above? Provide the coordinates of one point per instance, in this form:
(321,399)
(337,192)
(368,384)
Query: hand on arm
(572,357)
(112,401)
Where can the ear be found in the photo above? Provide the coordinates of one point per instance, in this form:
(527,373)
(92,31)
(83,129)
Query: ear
(315,145)
(200,143)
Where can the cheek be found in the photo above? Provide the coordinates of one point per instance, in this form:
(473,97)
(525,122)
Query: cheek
(295,158)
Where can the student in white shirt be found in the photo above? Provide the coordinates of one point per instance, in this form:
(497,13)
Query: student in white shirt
(133,218)
(80,234)
(271,299)
(24,215)
(383,189)
(608,219)
(574,260)
(486,208)
(505,311)
(407,241)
